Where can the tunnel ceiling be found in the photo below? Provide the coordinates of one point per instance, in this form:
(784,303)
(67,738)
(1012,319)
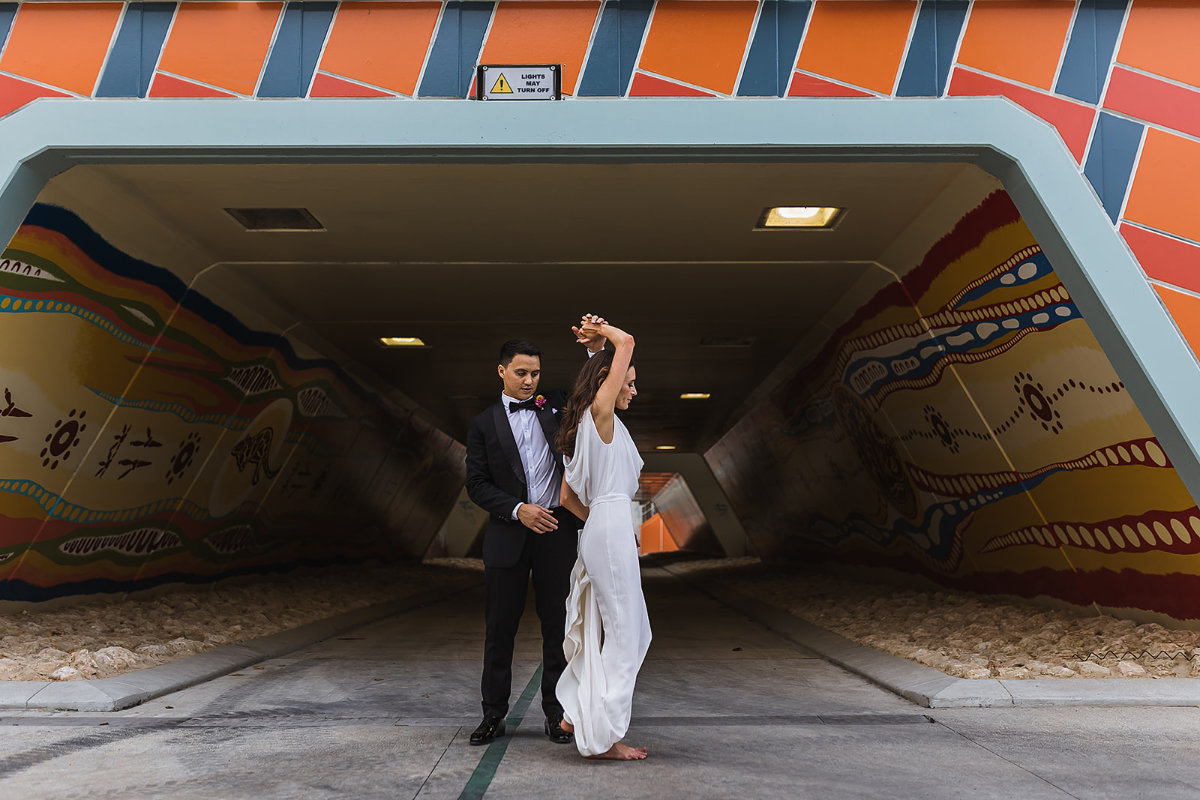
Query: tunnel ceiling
(468,255)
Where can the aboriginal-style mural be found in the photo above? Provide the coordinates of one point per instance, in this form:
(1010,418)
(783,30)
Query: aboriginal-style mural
(964,424)
(147,436)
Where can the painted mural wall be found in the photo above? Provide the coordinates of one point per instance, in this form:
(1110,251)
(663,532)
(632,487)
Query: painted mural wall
(962,423)
(148,436)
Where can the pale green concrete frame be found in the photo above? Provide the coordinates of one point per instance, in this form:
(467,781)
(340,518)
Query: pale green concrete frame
(1156,364)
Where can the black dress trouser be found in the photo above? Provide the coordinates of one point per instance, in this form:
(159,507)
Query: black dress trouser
(550,557)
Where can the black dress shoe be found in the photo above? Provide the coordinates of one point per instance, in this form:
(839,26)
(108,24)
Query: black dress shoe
(556,733)
(489,729)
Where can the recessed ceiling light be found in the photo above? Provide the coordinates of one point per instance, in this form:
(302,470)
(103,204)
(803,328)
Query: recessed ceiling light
(665,447)
(694,396)
(401,341)
(276,219)
(800,217)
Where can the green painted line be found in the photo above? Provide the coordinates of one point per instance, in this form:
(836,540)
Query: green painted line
(481,778)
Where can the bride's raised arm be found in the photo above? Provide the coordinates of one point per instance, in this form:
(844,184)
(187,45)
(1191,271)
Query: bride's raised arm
(606,397)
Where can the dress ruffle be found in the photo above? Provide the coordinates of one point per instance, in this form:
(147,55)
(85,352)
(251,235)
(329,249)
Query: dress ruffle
(582,686)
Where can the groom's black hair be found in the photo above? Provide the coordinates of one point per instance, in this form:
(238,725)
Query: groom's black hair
(517,347)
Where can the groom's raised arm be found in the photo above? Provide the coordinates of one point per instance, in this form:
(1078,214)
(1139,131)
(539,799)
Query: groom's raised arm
(480,488)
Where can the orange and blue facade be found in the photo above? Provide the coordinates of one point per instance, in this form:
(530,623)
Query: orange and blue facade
(980,503)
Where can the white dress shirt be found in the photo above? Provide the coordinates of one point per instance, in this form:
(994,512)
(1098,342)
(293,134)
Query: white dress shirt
(536,458)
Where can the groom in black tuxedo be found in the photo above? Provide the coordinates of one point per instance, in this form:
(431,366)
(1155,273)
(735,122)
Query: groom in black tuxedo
(514,471)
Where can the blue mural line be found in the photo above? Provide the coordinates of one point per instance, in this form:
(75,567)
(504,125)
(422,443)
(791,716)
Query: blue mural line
(19,305)
(866,375)
(228,421)
(1030,269)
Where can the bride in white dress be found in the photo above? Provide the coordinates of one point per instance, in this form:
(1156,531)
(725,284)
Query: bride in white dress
(608,630)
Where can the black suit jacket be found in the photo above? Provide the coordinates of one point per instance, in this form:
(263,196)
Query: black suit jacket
(496,479)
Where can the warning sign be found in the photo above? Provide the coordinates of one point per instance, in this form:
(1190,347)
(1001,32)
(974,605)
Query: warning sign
(501,86)
(519,82)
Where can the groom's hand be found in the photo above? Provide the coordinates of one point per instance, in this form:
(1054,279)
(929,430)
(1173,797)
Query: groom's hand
(588,332)
(536,518)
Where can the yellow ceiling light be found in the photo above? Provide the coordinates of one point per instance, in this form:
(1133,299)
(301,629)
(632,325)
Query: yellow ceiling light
(694,396)
(800,217)
(665,447)
(401,341)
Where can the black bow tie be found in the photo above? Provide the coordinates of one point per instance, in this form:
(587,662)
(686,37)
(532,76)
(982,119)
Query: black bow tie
(523,405)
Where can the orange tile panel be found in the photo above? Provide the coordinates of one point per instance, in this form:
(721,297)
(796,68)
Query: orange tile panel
(62,44)
(222,44)
(700,42)
(542,33)
(1160,37)
(1162,195)
(1018,39)
(858,41)
(1185,310)
(383,44)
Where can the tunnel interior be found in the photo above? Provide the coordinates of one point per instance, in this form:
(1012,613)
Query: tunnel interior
(912,389)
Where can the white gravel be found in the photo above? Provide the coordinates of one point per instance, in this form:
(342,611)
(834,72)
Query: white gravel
(962,634)
(104,639)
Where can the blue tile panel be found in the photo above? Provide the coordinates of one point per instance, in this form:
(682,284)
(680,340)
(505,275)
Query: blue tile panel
(931,49)
(8,12)
(134,54)
(297,47)
(615,48)
(455,50)
(1110,160)
(1090,49)
(774,49)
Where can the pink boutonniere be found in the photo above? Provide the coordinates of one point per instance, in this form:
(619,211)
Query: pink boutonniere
(539,401)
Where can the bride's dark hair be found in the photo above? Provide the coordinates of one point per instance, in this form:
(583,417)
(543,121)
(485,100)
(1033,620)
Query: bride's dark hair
(586,386)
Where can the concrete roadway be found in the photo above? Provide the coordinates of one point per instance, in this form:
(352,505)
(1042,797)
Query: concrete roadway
(727,708)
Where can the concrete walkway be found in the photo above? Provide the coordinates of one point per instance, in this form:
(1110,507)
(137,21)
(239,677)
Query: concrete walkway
(727,708)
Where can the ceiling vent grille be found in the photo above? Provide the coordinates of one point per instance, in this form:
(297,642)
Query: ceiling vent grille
(276,219)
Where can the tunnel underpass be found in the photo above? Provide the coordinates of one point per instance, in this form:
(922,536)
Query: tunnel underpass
(915,388)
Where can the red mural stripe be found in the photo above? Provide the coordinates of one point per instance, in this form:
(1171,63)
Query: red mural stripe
(329,86)
(1072,120)
(1164,258)
(649,86)
(1153,100)
(805,85)
(15,93)
(169,86)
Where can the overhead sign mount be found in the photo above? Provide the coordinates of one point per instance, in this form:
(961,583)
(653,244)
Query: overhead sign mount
(518,82)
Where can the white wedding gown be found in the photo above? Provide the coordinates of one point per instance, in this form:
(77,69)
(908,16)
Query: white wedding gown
(606,602)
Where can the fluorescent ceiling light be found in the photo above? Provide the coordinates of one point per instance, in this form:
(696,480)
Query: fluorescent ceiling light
(401,341)
(800,217)
(694,396)
(665,447)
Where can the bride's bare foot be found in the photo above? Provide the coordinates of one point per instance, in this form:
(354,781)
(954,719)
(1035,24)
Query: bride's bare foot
(622,752)
(566,726)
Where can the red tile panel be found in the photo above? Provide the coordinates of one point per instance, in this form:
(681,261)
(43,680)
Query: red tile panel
(1163,194)
(62,44)
(1165,259)
(1167,104)
(1160,37)
(700,42)
(805,85)
(170,86)
(857,41)
(221,44)
(16,93)
(644,85)
(383,44)
(1018,39)
(536,32)
(329,86)
(1073,120)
